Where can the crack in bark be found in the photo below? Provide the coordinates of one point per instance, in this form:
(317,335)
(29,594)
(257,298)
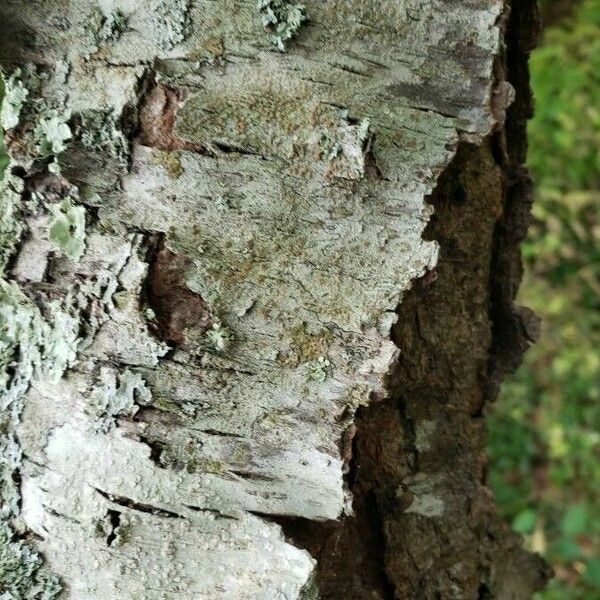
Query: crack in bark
(114,518)
(138,506)
(157,113)
(212,511)
(177,308)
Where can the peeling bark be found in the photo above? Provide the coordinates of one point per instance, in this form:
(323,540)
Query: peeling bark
(219,207)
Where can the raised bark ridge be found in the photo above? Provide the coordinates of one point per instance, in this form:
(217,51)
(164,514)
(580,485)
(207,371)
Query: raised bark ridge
(220,205)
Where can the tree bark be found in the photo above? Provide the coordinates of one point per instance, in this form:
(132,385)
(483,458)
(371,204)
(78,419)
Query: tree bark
(259,264)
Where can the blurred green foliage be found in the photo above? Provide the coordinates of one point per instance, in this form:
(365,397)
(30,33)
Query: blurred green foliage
(544,434)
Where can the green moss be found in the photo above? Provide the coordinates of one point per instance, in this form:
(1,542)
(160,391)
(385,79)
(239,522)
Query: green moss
(122,534)
(209,465)
(311,590)
(67,228)
(122,299)
(101,529)
(191,466)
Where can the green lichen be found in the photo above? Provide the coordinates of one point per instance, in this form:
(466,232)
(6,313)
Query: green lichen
(13,97)
(332,141)
(10,224)
(67,228)
(30,343)
(52,133)
(99,132)
(119,394)
(172,22)
(10,460)
(318,370)
(4,157)
(22,573)
(282,19)
(113,25)
(219,337)
(330,148)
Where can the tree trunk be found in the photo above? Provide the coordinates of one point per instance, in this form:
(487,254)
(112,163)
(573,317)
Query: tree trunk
(259,262)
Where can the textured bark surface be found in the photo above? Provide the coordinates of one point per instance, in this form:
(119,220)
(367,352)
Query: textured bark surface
(212,213)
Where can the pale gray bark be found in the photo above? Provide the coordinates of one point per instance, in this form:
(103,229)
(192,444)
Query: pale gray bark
(212,211)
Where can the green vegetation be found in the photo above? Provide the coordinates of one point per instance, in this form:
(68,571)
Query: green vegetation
(544,433)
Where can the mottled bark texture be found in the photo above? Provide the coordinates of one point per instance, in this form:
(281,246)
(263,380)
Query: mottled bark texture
(259,262)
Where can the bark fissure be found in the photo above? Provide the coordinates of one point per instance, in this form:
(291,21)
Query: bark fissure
(138,506)
(114,517)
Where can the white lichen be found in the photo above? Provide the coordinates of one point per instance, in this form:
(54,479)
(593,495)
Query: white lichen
(428,495)
(424,431)
(13,98)
(113,25)
(100,132)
